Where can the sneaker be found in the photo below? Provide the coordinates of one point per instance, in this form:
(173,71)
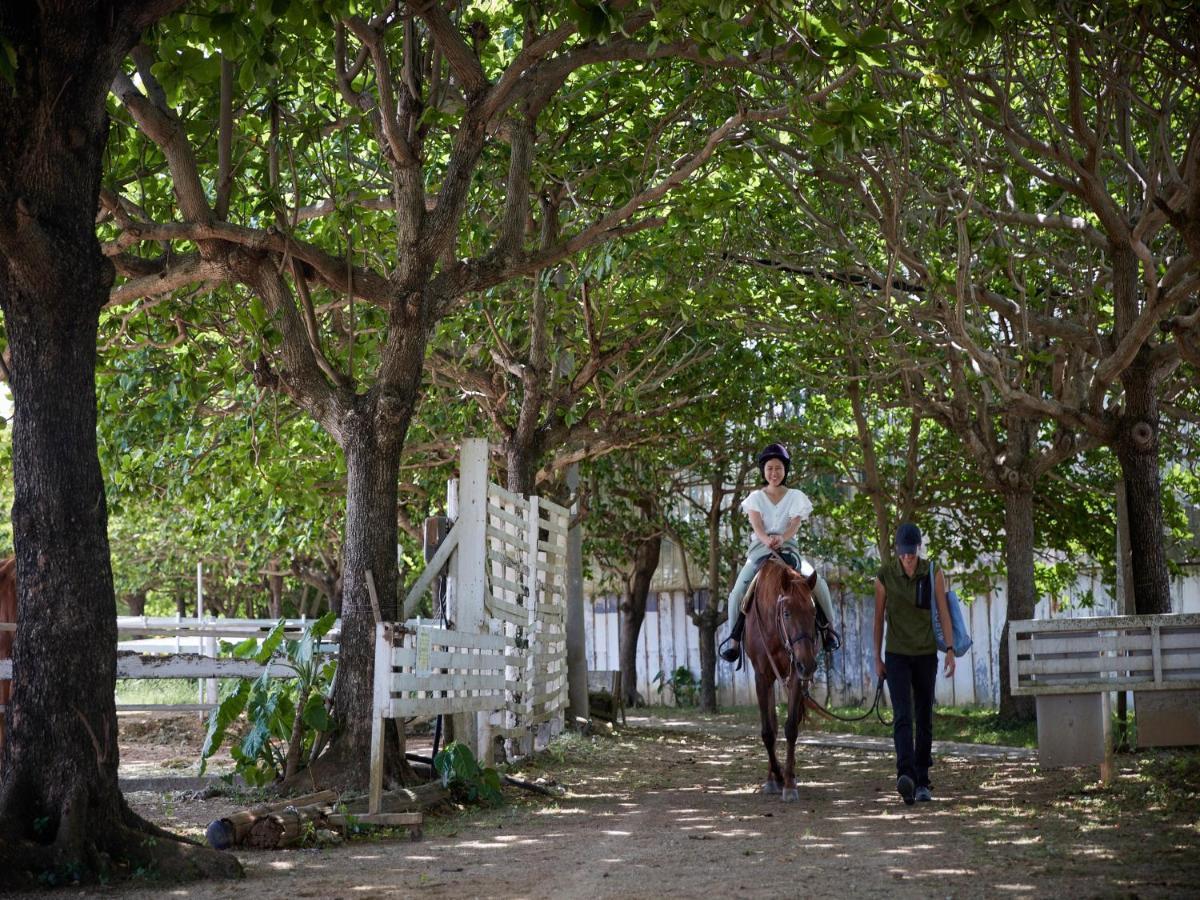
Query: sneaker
(907,788)
(923,794)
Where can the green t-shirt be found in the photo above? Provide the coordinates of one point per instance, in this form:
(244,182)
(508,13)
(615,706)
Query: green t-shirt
(909,618)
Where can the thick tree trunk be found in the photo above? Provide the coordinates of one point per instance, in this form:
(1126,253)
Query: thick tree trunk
(708,622)
(522,463)
(1022,595)
(136,601)
(371,495)
(62,816)
(714,612)
(1137,452)
(633,612)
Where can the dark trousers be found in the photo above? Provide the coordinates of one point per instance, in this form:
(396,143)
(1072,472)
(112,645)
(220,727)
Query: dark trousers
(910,682)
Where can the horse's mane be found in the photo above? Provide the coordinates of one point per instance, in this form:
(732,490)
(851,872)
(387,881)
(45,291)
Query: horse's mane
(774,579)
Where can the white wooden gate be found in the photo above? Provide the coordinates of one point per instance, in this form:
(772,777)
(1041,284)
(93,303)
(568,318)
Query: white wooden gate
(501,666)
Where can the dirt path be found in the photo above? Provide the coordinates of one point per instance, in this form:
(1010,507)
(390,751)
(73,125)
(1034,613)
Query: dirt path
(671,809)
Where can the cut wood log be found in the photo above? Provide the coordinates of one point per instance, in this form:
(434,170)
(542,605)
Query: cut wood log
(285,823)
(421,797)
(232,830)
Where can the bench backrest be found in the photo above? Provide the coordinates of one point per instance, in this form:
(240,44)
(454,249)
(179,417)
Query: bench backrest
(1074,656)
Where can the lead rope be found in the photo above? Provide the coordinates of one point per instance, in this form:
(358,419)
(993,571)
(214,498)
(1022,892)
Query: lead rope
(875,708)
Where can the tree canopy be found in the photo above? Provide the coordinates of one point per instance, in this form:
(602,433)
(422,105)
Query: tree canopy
(946,251)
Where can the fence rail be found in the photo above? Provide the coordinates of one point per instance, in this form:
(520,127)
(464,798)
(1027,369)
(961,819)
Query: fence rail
(171,647)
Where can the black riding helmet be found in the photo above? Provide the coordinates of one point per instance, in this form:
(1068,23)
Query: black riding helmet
(770,452)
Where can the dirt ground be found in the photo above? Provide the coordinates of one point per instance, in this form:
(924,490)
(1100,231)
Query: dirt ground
(670,807)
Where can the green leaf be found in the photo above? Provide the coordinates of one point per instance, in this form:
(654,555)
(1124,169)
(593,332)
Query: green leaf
(220,719)
(271,643)
(246,649)
(316,716)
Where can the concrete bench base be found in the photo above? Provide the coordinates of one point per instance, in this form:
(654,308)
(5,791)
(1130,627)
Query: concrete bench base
(1167,718)
(1074,730)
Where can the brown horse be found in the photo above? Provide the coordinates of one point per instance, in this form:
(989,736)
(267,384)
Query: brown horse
(8,614)
(780,636)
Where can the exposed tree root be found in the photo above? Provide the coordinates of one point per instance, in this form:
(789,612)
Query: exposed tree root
(89,848)
(120,853)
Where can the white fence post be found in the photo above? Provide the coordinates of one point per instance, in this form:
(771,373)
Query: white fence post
(470,578)
(529,673)
(208,645)
(379,709)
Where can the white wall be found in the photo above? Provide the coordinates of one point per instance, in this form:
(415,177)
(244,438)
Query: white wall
(669,640)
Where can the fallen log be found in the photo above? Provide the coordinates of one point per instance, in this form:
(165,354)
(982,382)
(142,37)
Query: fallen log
(287,822)
(421,797)
(285,828)
(232,830)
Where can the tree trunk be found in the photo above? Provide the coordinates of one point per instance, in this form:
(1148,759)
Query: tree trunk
(633,612)
(522,457)
(1137,452)
(1022,595)
(136,601)
(62,816)
(715,612)
(707,623)
(872,483)
(370,546)
(275,588)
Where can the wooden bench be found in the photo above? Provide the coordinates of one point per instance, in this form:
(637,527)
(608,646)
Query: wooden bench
(1071,667)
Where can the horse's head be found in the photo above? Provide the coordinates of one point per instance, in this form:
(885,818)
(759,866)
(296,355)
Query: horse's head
(797,617)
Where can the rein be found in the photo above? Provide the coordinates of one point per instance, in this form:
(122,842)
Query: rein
(763,638)
(875,708)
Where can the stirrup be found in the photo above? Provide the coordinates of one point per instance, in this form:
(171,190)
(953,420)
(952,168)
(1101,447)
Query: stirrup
(830,638)
(730,653)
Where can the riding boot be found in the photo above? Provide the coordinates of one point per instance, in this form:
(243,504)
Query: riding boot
(731,647)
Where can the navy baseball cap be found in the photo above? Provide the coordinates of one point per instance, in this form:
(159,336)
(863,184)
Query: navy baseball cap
(908,538)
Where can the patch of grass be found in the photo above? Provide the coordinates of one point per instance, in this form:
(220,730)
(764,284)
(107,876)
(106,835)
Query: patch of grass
(982,726)
(1165,781)
(159,691)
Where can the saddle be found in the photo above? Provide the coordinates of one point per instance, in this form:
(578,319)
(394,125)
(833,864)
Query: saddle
(830,639)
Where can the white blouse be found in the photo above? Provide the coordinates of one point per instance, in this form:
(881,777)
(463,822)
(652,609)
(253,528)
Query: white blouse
(777,516)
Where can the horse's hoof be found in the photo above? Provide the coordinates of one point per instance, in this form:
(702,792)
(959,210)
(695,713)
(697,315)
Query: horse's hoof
(771,788)
(791,795)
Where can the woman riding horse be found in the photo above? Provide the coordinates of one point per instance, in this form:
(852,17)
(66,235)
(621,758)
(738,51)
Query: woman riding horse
(780,640)
(776,513)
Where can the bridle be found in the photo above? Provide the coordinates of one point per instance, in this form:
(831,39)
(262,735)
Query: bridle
(781,626)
